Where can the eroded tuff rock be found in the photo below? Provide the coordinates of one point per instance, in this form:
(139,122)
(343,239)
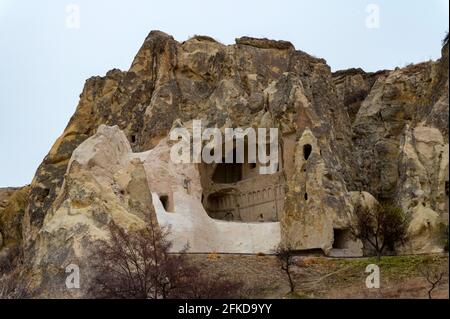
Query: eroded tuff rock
(353,86)
(102,183)
(222,85)
(345,137)
(13,202)
(106,181)
(265,43)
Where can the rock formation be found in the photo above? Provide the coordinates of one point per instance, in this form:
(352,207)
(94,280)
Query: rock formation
(345,137)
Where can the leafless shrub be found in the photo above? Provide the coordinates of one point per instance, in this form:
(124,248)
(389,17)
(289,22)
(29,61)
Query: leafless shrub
(285,256)
(433,274)
(138,265)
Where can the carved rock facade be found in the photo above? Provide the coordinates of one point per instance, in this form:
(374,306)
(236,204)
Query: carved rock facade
(344,138)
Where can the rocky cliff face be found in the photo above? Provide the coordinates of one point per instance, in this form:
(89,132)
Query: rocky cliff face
(344,137)
(400,138)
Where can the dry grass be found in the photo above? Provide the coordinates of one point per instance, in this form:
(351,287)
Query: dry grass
(320,277)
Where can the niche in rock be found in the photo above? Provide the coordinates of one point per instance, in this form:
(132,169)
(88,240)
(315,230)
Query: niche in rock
(228,173)
(165,201)
(307,149)
(341,238)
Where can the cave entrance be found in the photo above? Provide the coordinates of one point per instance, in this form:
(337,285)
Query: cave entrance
(165,201)
(239,192)
(227,173)
(341,238)
(221,206)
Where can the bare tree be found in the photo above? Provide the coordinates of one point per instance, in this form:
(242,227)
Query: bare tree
(139,265)
(285,255)
(433,274)
(382,226)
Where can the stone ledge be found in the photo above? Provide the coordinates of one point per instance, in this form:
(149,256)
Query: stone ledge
(265,43)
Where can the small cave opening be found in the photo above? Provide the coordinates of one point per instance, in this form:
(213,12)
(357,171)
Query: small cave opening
(307,149)
(165,202)
(227,173)
(43,194)
(306,196)
(446,188)
(341,237)
(133,138)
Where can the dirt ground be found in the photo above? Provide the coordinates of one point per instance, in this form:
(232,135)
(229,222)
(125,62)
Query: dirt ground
(335,278)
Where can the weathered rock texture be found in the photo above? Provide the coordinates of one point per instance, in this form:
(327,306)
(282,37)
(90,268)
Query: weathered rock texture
(345,137)
(13,202)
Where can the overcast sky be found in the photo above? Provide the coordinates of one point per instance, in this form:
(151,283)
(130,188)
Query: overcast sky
(46,52)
